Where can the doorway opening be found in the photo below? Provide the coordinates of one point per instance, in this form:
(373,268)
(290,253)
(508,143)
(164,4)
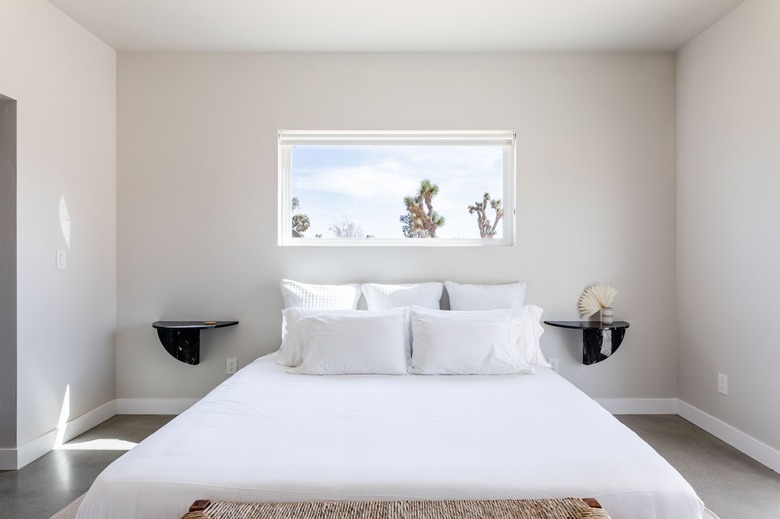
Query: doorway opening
(7,273)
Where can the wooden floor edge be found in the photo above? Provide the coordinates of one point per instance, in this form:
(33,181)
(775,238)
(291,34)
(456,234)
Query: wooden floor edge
(591,502)
(200,505)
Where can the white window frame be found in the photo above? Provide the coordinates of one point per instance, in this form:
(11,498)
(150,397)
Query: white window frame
(288,138)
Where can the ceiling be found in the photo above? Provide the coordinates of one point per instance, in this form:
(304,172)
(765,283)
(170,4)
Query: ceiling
(396,25)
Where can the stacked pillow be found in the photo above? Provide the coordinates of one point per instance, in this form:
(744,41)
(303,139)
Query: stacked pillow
(489,330)
(326,297)
(485,297)
(320,297)
(347,342)
(487,342)
(382,297)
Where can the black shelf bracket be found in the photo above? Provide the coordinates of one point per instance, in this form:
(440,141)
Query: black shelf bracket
(181,339)
(599,340)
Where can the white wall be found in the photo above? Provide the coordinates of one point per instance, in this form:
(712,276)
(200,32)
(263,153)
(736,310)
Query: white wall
(64,80)
(728,214)
(197,196)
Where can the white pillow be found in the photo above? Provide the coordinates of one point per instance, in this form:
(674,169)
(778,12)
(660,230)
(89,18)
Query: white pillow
(531,316)
(469,343)
(382,297)
(485,297)
(323,297)
(360,343)
(331,297)
(290,353)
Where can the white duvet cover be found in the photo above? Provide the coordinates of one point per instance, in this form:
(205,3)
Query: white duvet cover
(267,435)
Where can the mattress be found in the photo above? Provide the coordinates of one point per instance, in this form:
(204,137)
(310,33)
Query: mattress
(268,435)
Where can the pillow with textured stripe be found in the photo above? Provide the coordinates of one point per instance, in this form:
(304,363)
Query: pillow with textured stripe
(320,297)
(326,297)
(485,297)
(383,297)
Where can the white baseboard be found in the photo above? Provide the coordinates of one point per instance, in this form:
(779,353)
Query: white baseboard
(89,420)
(741,441)
(33,450)
(153,405)
(639,405)
(14,459)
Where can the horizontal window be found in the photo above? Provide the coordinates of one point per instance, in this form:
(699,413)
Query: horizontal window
(396,188)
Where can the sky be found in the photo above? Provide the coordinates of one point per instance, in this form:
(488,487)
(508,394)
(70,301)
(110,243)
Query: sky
(367,185)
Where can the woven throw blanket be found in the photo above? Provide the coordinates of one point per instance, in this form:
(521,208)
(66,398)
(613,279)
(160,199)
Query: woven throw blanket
(569,508)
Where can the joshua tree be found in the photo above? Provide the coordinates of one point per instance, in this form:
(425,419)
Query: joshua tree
(420,220)
(486,229)
(408,227)
(300,222)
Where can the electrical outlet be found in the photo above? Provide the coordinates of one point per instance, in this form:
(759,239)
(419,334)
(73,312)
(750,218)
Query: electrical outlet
(723,384)
(62,259)
(230,366)
(554,363)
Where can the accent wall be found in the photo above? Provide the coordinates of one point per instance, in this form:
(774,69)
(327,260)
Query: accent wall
(197,197)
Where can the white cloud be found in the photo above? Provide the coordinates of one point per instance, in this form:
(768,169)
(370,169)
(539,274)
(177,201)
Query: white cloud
(365,181)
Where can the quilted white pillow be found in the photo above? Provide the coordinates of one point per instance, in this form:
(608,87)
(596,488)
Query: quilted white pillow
(469,343)
(351,344)
(382,297)
(485,297)
(321,297)
(330,297)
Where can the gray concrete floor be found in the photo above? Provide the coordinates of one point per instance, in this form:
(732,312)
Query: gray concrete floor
(48,484)
(731,484)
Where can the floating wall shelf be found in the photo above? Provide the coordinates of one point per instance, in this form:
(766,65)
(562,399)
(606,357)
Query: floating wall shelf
(182,338)
(599,341)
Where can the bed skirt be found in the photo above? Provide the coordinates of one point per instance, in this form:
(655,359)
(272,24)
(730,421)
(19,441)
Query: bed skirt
(569,508)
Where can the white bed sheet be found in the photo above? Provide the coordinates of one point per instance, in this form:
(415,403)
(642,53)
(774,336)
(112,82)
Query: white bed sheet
(267,435)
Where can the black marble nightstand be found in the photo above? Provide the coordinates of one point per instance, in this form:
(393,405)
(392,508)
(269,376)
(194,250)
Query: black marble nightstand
(182,338)
(599,341)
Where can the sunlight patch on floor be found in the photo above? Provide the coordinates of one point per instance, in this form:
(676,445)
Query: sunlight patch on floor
(103,444)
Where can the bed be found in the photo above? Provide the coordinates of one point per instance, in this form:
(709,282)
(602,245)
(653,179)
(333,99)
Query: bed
(400,401)
(267,434)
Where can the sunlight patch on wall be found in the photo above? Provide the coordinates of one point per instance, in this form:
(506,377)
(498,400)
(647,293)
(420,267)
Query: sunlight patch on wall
(62,423)
(65,221)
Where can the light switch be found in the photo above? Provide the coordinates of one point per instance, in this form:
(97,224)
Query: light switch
(62,259)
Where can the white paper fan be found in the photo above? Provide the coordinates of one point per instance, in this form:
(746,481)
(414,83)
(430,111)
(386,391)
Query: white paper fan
(594,298)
